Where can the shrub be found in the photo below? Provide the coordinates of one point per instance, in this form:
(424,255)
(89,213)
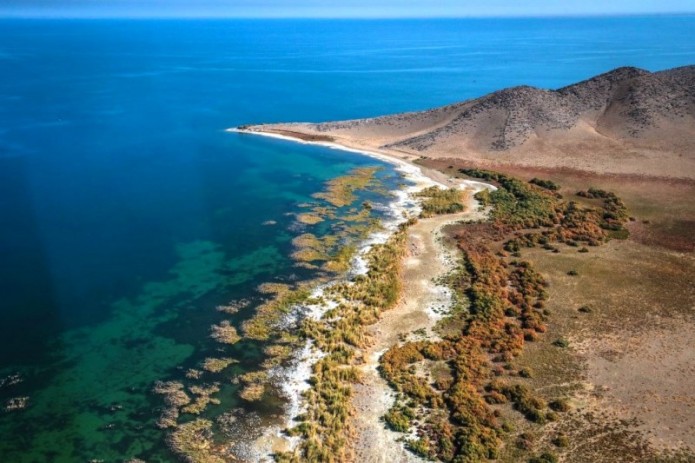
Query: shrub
(545,457)
(495,397)
(436,201)
(420,447)
(561,440)
(398,418)
(560,405)
(516,204)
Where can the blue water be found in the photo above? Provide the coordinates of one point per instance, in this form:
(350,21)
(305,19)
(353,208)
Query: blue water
(127,213)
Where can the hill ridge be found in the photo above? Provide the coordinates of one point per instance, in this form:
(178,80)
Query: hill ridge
(603,123)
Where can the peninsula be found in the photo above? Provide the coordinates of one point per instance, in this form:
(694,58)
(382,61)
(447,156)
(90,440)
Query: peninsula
(569,317)
(626,121)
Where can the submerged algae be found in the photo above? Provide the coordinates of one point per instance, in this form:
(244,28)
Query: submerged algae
(349,224)
(214,365)
(100,364)
(337,226)
(194,441)
(453,416)
(341,190)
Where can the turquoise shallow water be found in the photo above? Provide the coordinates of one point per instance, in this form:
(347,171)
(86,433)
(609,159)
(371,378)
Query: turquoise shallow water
(127,213)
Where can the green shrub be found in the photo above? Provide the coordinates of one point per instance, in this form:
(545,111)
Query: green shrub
(561,440)
(547,184)
(398,418)
(420,447)
(436,201)
(516,203)
(560,405)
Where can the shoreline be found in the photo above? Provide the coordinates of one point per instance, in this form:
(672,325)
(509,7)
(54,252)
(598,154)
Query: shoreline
(295,377)
(406,326)
(373,436)
(390,158)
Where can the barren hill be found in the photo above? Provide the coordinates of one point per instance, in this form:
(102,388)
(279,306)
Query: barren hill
(627,121)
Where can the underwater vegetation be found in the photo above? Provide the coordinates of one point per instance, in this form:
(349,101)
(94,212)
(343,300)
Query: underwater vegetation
(331,228)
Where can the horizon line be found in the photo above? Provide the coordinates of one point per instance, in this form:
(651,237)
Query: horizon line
(351,18)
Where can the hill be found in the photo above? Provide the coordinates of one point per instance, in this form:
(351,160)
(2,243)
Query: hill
(626,121)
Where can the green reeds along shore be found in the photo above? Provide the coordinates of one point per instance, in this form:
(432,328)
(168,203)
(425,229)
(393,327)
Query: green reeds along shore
(325,427)
(436,201)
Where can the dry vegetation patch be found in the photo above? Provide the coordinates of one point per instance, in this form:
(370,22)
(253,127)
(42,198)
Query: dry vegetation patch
(624,312)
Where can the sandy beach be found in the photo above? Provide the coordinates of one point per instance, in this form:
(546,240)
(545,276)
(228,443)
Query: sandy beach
(395,157)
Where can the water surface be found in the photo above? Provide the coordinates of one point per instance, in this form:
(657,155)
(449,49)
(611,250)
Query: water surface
(127,213)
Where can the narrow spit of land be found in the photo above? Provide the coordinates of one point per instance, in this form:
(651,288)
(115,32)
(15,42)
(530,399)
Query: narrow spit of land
(626,121)
(422,303)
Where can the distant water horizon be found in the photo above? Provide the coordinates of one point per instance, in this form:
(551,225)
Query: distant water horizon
(128,213)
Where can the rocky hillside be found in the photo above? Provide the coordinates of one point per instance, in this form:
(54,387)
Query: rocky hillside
(624,103)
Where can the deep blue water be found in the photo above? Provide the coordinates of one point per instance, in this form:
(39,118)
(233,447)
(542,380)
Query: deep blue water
(127,213)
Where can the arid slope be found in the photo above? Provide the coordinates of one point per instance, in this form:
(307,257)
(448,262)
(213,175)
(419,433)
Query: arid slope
(626,121)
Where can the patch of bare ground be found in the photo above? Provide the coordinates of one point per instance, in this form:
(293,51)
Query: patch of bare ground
(428,257)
